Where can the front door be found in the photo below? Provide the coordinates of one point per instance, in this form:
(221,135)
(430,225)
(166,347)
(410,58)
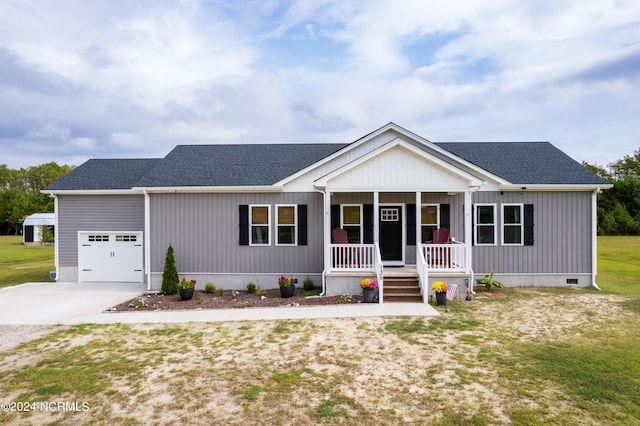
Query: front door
(391,235)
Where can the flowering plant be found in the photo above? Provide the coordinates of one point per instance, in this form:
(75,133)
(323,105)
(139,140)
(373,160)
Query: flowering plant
(439,287)
(284,281)
(368,283)
(185,283)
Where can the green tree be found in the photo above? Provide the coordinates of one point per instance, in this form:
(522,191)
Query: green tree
(170,278)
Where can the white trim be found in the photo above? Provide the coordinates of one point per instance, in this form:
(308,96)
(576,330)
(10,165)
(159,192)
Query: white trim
(268,225)
(553,187)
(594,238)
(503,224)
(495,224)
(132,191)
(295,225)
(342,224)
(56,237)
(147,239)
(419,220)
(397,142)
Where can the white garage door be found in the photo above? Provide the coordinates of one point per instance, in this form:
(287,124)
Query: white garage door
(110,256)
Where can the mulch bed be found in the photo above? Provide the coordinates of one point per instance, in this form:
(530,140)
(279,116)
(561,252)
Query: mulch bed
(243,299)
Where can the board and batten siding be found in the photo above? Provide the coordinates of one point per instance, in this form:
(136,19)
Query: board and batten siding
(204,232)
(94,213)
(562,235)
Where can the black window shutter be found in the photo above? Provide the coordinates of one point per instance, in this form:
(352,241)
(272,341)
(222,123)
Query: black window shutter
(528,224)
(244,224)
(445,216)
(411,224)
(302,224)
(335,216)
(367,224)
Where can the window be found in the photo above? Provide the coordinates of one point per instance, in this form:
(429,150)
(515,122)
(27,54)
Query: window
(259,221)
(485,224)
(429,221)
(512,225)
(98,238)
(389,215)
(126,238)
(286,225)
(352,222)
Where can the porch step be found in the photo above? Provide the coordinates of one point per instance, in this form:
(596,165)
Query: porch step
(402,289)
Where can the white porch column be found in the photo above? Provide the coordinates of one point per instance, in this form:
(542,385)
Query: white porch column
(468,229)
(376,219)
(327,229)
(418,218)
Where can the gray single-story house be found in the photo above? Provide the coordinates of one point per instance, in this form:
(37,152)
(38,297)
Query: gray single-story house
(253,212)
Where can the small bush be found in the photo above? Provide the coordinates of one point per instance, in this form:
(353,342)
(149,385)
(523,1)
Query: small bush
(260,292)
(251,288)
(210,288)
(220,292)
(308,284)
(139,303)
(170,279)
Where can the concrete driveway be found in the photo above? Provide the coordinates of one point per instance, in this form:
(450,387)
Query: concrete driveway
(61,303)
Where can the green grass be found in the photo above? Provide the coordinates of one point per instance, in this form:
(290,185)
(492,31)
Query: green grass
(619,265)
(21,264)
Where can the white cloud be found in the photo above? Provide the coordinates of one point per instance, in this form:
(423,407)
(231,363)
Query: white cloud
(82,144)
(49,131)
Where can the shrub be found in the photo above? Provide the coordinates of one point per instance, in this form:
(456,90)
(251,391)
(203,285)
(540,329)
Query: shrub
(220,292)
(260,292)
(308,284)
(170,278)
(251,288)
(210,288)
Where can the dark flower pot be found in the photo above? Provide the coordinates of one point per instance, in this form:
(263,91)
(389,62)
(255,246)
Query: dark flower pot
(441,298)
(286,292)
(368,294)
(186,294)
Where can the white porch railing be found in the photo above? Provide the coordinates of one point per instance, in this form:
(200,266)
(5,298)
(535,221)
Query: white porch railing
(445,257)
(353,257)
(423,272)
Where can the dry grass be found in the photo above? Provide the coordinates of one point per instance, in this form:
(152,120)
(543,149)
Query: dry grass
(478,364)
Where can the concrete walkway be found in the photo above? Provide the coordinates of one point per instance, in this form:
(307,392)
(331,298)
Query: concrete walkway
(77,303)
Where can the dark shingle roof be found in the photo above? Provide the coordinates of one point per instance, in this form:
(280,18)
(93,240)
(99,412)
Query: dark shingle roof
(104,175)
(234,165)
(527,163)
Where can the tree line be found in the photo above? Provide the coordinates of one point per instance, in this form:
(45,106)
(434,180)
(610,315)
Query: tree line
(619,207)
(20,194)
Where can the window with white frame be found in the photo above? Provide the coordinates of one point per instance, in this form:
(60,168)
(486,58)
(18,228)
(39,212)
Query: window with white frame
(512,224)
(351,221)
(259,222)
(485,224)
(429,220)
(286,225)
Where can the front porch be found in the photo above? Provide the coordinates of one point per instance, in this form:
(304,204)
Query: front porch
(408,283)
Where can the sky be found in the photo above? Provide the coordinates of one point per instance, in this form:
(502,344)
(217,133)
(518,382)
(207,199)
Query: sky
(132,79)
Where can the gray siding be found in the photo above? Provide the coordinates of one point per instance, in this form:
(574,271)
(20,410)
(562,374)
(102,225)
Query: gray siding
(562,235)
(94,213)
(203,230)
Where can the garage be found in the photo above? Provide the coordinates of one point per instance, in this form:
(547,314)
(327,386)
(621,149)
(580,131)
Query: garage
(110,257)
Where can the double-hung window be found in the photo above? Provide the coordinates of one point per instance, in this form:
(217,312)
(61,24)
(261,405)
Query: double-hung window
(485,228)
(512,224)
(259,221)
(429,220)
(286,225)
(351,221)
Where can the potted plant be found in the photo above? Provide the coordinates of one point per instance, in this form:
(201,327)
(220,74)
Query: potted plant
(186,289)
(440,289)
(489,282)
(369,287)
(286,286)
